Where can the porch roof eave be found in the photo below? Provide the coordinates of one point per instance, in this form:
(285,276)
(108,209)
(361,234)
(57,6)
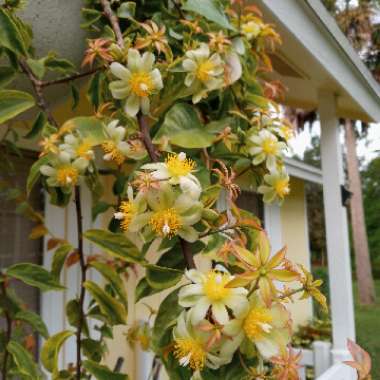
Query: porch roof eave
(303,171)
(316,56)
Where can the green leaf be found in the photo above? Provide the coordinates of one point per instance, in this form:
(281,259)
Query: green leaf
(99,208)
(34,173)
(89,127)
(166,319)
(117,245)
(7,74)
(13,102)
(34,275)
(161,278)
(75,95)
(93,349)
(102,372)
(210,9)
(37,126)
(37,66)
(143,289)
(59,65)
(25,364)
(110,274)
(73,316)
(59,258)
(127,10)
(51,348)
(94,92)
(112,309)
(258,100)
(34,320)
(183,128)
(90,16)
(10,35)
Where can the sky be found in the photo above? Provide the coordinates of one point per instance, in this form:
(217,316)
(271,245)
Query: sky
(366,152)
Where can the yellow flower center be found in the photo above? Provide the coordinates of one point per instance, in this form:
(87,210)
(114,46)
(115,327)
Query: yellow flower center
(204,70)
(179,166)
(282,187)
(84,150)
(257,323)
(215,286)
(190,352)
(67,175)
(141,84)
(128,209)
(166,223)
(112,152)
(269,146)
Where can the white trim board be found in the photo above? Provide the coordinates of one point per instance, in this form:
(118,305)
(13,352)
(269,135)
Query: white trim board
(303,171)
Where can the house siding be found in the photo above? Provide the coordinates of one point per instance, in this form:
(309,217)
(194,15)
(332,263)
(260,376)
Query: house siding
(295,237)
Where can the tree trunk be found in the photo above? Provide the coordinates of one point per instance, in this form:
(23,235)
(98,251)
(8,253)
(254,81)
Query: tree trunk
(359,233)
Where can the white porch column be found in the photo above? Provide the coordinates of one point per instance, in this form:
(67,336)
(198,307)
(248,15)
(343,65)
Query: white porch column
(272,224)
(336,229)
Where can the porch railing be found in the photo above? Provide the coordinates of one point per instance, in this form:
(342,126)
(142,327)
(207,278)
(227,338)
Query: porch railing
(319,357)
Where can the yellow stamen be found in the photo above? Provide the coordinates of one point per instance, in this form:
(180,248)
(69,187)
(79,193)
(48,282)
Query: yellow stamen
(282,187)
(141,84)
(84,150)
(215,286)
(128,209)
(269,146)
(204,70)
(190,352)
(179,167)
(111,150)
(166,222)
(257,323)
(67,175)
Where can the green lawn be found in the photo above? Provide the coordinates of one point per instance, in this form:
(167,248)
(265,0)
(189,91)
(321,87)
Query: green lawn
(368,330)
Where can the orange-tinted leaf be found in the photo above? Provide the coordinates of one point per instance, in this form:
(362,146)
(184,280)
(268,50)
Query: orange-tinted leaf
(53,243)
(277,258)
(283,275)
(38,232)
(242,280)
(246,256)
(265,290)
(72,259)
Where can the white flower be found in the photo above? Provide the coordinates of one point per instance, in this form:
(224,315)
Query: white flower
(137,82)
(190,347)
(276,186)
(210,290)
(234,69)
(117,149)
(131,212)
(265,327)
(64,173)
(173,214)
(76,147)
(251,29)
(205,72)
(266,147)
(177,170)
